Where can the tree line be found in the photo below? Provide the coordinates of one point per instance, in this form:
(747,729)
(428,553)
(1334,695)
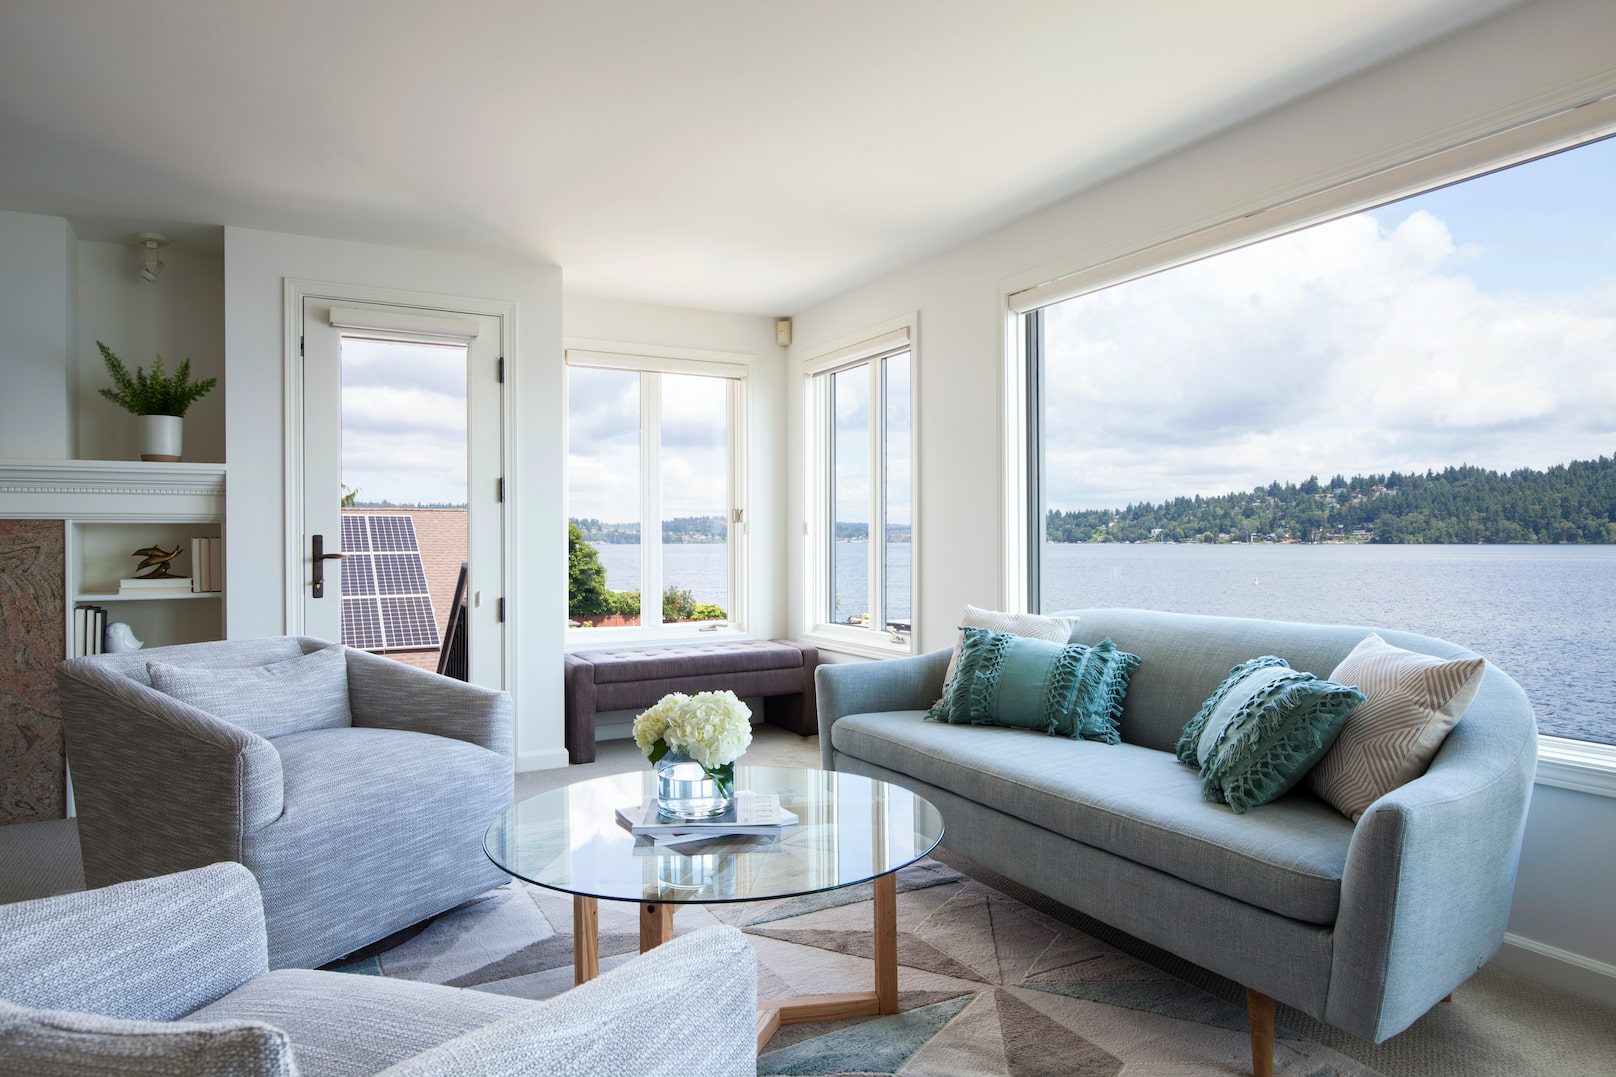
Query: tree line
(1566,503)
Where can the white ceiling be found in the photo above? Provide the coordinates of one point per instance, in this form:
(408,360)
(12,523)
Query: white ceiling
(752,155)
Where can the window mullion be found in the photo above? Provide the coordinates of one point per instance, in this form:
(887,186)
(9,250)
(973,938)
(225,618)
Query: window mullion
(878,482)
(1034,345)
(651,500)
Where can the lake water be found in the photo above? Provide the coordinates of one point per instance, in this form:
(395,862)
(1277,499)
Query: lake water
(1545,614)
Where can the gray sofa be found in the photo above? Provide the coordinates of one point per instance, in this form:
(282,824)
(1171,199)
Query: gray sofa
(1364,927)
(353,832)
(170,976)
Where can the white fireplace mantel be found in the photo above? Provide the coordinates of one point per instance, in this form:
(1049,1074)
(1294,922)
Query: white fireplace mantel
(111,490)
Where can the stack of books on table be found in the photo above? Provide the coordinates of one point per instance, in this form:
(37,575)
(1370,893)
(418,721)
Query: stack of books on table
(173,585)
(89,629)
(751,815)
(207,572)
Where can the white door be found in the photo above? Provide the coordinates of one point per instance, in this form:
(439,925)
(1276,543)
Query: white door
(402,482)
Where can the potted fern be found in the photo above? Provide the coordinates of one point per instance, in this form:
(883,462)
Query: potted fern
(160,400)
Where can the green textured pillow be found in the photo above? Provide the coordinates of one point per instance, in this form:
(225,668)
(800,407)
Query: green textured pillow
(1065,690)
(1262,731)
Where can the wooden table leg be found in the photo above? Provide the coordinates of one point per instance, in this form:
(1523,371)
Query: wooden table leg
(886,943)
(656,925)
(585,939)
(1260,1012)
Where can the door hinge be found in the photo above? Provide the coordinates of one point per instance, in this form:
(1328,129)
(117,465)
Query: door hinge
(740,516)
(301,341)
(499,370)
(499,613)
(499,488)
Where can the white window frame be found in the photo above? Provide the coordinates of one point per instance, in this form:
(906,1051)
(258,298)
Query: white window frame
(650,363)
(1571,764)
(867,348)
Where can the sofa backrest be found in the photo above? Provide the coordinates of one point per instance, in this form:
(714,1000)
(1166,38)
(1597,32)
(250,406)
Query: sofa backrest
(1186,656)
(223,654)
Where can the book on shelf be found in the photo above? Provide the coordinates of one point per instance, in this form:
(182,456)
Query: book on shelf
(757,814)
(205,575)
(89,630)
(705,844)
(143,586)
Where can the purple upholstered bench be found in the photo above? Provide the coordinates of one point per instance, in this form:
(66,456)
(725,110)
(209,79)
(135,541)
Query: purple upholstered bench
(780,671)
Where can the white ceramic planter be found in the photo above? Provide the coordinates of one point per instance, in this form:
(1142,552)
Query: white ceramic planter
(160,437)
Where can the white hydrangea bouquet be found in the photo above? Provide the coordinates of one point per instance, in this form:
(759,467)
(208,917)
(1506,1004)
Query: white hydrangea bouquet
(709,729)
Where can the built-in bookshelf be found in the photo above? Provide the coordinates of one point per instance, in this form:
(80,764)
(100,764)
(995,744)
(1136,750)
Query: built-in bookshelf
(99,555)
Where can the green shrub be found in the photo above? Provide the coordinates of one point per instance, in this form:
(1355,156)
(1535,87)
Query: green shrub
(154,393)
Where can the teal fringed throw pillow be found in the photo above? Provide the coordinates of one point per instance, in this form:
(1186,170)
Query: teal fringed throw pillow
(1065,690)
(1262,731)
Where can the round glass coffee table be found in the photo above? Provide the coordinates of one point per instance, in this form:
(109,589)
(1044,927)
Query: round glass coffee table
(851,830)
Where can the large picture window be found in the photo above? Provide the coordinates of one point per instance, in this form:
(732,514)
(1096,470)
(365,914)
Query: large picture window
(861,512)
(654,494)
(1401,417)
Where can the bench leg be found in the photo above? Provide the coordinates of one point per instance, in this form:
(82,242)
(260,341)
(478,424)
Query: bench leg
(1260,1013)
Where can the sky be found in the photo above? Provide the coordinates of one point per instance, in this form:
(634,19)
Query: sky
(404,421)
(1474,324)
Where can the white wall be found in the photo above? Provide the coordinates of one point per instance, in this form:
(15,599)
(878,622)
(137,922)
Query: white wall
(255,266)
(37,337)
(179,317)
(618,322)
(1525,63)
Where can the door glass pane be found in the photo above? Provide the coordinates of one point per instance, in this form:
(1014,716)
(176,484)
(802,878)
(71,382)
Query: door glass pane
(899,494)
(850,496)
(603,497)
(695,473)
(404,527)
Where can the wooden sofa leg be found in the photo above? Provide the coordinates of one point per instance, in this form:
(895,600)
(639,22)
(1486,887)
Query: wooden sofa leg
(1260,1013)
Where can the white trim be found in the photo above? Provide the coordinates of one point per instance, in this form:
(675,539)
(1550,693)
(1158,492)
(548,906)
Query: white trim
(894,335)
(294,291)
(594,639)
(385,320)
(1586,977)
(656,351)
(863,642)
(544,759)
(1579,765)
(656,364)
(111,490)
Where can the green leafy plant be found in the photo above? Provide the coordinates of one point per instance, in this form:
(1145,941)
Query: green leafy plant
(156,392)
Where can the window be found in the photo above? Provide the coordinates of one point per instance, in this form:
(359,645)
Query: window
(861,494)
(654,494)
(1400,417)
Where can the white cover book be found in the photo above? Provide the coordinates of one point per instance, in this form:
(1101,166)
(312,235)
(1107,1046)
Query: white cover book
(216,563)
(81,631)
(198,571)
(751,813)
(177,583)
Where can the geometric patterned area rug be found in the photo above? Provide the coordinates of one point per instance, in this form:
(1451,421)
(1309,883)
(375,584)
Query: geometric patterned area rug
(987,985)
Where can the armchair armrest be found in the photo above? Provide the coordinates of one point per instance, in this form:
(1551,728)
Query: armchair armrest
(149,950)
(160,786)
(1430,873)
(894,684)
(384,694)
(688,1006)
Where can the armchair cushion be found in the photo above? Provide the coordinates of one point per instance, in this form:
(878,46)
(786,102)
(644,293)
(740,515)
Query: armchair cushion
(294,696)
(62,1043)
(340,1023)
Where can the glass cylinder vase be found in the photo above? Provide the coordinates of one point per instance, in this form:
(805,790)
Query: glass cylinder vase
(687,790)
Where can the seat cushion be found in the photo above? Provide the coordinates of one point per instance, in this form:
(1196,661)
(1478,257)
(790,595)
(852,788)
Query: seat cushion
(664,663)
(1136,802)
(342,1024)
(63,1043)
(380,828)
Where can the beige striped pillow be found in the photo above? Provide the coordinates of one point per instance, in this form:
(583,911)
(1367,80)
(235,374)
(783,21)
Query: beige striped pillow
(1389,740)
(1029,625)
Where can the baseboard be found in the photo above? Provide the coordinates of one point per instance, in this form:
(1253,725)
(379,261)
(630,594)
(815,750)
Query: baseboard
(548,759)
(1571,972)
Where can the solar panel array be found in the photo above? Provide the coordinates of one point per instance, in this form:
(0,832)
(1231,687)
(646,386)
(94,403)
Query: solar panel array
(385,601)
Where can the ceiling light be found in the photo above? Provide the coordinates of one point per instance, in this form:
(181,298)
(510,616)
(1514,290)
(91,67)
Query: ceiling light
(152,266)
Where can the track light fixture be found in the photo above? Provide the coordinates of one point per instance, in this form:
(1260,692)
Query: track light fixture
(152,266)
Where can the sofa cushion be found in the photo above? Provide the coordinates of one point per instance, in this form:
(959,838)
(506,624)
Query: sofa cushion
(1132,801)
(61,1043)
(664,663)
(294,696)
(1062,689)
(343,1024)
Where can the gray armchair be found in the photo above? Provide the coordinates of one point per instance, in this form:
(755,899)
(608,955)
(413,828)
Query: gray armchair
(170,976)
(353,832)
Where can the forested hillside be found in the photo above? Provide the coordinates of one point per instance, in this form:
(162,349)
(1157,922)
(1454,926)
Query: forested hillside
(1573,502)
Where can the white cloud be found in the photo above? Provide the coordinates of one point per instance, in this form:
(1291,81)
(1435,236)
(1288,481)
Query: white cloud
(1349,347)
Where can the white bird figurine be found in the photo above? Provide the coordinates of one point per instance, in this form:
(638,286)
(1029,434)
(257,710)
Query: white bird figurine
(120,638)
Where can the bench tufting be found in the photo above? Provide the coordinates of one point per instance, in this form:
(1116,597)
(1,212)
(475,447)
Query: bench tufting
(623,678)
